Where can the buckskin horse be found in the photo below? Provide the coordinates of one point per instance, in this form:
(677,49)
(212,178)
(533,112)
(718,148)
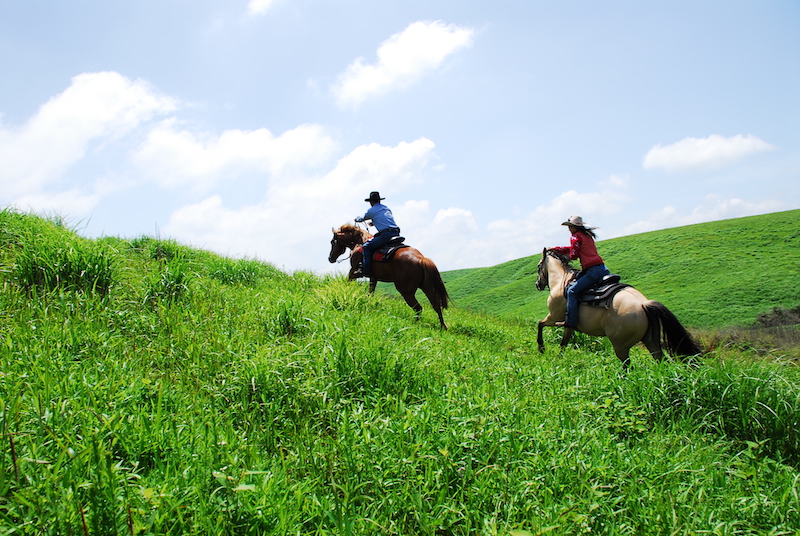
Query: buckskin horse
(408,269)
(628,319)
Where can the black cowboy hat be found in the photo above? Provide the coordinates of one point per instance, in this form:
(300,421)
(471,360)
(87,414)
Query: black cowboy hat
(374,196)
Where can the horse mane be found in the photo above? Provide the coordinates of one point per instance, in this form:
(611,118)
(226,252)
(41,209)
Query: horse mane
(349,228)
(565,261)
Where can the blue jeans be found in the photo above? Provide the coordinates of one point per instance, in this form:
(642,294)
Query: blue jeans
(590,277)
(377,242)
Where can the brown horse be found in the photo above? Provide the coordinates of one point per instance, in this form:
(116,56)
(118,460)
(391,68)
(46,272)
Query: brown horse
(408,269)
(630,317)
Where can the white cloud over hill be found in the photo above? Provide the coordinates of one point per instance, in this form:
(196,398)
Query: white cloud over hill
(714,151)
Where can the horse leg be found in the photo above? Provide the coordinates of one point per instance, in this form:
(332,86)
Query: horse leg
(539,338)
(654,347)
(548,321)
(623,352)
(372,284)
(411,300)
(567,336)
(431,294)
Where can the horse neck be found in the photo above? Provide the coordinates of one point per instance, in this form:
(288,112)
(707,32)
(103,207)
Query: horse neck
(356,239)
(557,276)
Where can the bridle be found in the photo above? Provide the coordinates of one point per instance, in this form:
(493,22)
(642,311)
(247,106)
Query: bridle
(335,242)
(543,279)
(351,244)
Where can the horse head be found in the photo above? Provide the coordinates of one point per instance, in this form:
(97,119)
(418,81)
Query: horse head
(543,279)
(337,247)
(562,268)
(345,237)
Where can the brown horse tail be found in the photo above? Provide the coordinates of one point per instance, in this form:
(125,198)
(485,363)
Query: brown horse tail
(431,276)
(674,336)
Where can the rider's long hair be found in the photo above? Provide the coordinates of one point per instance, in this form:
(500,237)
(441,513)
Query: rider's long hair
(588,231)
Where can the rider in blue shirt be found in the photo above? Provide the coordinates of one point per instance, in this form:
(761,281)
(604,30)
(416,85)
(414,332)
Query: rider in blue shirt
(383,220)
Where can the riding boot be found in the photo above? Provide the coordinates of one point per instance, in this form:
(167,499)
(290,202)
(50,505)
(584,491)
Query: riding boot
(359,271)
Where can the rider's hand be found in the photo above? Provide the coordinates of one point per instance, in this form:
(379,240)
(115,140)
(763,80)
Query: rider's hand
(359,220)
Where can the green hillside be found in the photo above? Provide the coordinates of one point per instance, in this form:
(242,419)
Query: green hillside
(148,388)
(714,274)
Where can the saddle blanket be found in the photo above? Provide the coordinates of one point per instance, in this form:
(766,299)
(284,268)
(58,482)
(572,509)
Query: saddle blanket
(386,252)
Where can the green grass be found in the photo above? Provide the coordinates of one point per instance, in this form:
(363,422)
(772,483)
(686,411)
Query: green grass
(717,274)
(274,403)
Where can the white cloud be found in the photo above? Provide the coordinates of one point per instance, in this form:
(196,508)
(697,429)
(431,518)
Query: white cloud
(454,239)
(259,7)
(176,157)
(515,237)
(715,208)
(454,219)
(291,226)
(701,153)
(447,238)
(72,203)
(402,60)
(95,107)
(376,167)
(411,211)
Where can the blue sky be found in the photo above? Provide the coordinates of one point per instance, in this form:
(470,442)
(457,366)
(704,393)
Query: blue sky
(252,127)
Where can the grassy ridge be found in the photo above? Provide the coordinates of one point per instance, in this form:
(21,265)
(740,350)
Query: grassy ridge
(714,274)
(203,395)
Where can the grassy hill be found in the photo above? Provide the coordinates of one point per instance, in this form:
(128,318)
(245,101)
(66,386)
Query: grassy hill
(714,274)
(147,388)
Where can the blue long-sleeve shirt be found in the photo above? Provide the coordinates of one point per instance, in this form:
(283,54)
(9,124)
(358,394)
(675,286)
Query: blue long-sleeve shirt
(381,217)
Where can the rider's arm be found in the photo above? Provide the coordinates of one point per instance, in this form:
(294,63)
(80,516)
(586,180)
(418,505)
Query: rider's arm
(574,247)
(367,216)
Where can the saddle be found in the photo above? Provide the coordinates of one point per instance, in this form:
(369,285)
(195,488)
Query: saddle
(600,294)
(386,252)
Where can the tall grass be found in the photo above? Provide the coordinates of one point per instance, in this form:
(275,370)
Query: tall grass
(50,257)
(293,404)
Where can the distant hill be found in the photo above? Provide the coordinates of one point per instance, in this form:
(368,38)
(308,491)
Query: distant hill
(715,274)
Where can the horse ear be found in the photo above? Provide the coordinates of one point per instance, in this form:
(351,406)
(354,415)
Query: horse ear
(544,252)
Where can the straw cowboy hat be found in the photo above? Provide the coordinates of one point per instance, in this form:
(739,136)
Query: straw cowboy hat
(577,221)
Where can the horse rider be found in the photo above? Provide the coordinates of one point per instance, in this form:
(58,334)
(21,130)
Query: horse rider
(383,220)
(581,246)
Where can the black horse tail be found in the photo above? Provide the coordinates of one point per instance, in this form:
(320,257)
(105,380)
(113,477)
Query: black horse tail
(674,337)
(432,277)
